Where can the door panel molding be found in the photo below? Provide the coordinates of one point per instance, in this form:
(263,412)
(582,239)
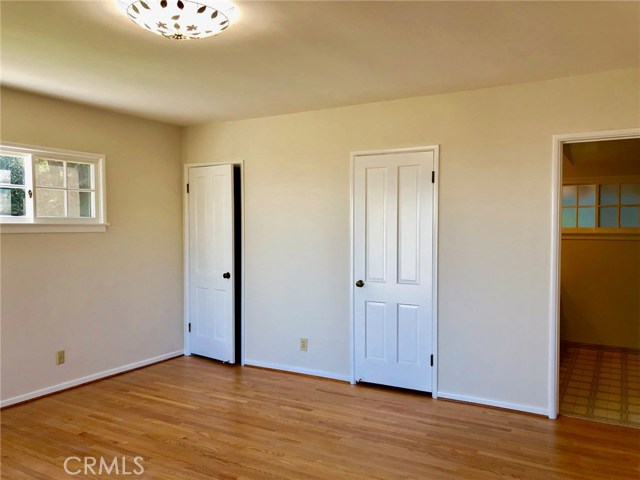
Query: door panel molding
(404,273)
(186,253)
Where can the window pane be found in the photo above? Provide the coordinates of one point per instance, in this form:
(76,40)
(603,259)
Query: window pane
(49,203)
(586,195)
(80,204)
(568,218)
(79,175)
(629,217)
(609,217)
(586,217)
(49,173)
(608,194)
(630,194)
(11,170)
(569,195)
(12,202)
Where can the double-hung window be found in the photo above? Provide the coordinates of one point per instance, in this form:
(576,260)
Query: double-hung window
(50,190)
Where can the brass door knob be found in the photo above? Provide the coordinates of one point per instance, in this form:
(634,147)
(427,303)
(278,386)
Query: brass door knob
(359,284)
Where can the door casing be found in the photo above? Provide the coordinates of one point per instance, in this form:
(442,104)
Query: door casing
(436,160)
(185,236)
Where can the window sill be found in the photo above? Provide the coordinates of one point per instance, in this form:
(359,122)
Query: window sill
(589,234)
(53,228)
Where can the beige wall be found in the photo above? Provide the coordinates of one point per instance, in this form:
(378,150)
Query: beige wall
(601,292)
(109,299)
(600,282)
(495,203)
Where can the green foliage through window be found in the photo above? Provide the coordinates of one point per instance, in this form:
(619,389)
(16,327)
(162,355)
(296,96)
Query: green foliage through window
(12,173)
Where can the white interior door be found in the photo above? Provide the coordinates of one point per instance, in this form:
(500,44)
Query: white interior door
(393,247)
(211,262)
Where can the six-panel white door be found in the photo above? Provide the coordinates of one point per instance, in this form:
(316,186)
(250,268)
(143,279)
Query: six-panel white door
(211,255)
(393,246)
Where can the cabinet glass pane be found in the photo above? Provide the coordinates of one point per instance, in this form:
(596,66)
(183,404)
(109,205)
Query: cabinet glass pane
(568,218)
(586,217)
(50,203)
(608,217)
(569,195)
(12,202)
(79,175)
(49,173)
(11,170)
(630,217)
(80,204)
(586,195)
(630,194)
(608,194)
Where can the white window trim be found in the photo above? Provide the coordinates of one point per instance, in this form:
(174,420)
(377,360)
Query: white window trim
(32,224)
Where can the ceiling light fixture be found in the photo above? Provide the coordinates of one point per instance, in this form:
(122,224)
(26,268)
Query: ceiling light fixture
(180,19)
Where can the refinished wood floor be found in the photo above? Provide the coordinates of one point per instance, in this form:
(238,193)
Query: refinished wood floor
(191,418)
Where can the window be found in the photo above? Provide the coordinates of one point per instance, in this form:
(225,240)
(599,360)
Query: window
(50,190)
(610,206)
(13,185)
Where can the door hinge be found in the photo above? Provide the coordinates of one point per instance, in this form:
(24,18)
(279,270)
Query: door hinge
(190,328)
(431,359)
(433,176)
(187,188)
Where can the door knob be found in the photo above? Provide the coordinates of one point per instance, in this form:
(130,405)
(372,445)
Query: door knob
(226,275)
(359,284)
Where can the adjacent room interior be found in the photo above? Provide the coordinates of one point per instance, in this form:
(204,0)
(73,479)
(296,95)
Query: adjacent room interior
(600,284)
(269,239)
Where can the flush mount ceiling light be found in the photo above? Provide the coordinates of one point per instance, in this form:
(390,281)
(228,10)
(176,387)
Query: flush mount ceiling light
(180,19)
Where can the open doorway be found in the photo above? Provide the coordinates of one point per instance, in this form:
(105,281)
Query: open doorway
(598,310)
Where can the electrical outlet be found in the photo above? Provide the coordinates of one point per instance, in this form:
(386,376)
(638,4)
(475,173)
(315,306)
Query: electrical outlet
(60,357)
(304,344)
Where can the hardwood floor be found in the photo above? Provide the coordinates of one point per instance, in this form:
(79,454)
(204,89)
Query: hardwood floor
(191,418)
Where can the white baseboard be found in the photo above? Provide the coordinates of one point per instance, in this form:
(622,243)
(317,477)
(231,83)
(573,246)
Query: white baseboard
(89,378)
(304,371)
(495,403)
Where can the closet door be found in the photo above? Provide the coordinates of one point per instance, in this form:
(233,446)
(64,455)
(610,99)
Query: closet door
(211,262)
(393,216)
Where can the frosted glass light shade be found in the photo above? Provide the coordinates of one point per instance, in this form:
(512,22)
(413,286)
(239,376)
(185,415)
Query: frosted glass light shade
(180,19)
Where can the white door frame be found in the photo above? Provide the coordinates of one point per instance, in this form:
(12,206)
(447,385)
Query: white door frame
(556,194)
(434,293)
(185,236)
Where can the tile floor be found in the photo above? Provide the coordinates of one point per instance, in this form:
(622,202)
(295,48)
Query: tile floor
(600,382)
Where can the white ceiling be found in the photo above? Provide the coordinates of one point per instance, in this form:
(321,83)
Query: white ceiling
(283,57)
